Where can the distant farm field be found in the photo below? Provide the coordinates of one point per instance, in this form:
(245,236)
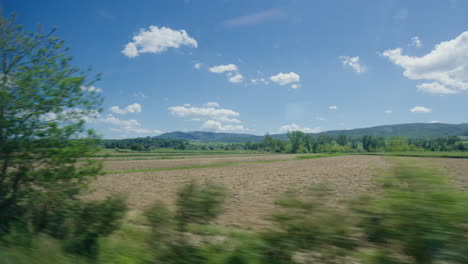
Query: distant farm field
(253,181)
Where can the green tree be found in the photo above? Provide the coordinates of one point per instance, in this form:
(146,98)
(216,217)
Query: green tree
(397,143)
(269,142)
(44,102)
(296,138)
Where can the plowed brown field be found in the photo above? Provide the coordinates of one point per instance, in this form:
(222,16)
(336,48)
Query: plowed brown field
(254,187)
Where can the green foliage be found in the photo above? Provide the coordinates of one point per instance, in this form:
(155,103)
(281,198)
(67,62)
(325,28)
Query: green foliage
(44,102)
(296,139)
(305,223)
(169,240)
(418,212)
(42,113)
(91,220)
(199,203)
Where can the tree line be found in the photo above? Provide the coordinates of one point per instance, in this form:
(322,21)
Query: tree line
(299,142)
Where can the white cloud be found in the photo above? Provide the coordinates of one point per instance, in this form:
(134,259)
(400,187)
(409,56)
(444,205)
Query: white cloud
(197,66)
(136,130)
(218,114)
(285,78)
(130,126)
(445,67)
(218,126)
(420,109)
(212,104)
(91,89)
(111,120)
(416,42)
(388,112)
(321,119)
(434,88)
(295,86)
(238,78)
(333,107)
(295,127)
(129,109)
(434,122)
(157,40)
(224,68)
(213,119)
(259,81)
(353,63)
(140,95)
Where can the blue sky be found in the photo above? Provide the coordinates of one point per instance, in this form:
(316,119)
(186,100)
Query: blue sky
(264,66)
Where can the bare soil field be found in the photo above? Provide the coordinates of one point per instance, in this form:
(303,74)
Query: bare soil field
(187,161)
(252,187)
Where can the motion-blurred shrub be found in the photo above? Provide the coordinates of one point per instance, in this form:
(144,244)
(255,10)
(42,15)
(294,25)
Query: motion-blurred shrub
(170,240)
(307,224)
(417,217)
(90,220)
(198,203)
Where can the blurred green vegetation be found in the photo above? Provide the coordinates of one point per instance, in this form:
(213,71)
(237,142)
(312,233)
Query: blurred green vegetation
(415,215)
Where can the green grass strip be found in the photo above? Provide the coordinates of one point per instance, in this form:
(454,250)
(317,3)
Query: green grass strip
(168,154)
(451,155)
(217,165)
(320,156)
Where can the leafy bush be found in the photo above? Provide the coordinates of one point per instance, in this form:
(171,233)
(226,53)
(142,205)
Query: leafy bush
(91,220)
(418,214)
(306,223)
(170,241)
(198,203)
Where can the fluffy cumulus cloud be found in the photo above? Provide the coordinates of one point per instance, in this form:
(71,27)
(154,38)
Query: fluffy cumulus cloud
(434,88)
(197,66)
(129,109)
(444,69)
(91,89)
(214,119)
(111,120)
(236,78)
(295,127)
(212,104)
(213,125)
(416,42)
(353,63)
(157,40)
(224,68)
(135,130)
(218,114)
(295,85)
(285,78)
(333,107)
(420,109)
(130,126)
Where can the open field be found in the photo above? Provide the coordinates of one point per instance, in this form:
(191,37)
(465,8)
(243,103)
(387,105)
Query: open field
(254,186)
(115,166)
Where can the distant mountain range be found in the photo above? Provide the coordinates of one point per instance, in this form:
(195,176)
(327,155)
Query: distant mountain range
(414,130)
